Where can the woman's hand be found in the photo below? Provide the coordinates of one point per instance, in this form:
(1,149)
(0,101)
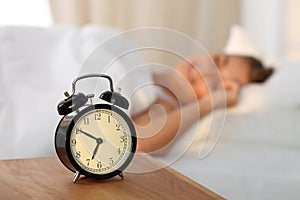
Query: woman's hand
(232,90)
(224,98)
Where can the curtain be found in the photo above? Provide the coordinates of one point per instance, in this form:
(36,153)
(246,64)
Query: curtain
(207,21)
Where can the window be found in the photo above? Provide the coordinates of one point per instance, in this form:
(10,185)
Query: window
(28,13)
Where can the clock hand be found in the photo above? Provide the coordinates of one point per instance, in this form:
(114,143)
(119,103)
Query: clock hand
(99,141)
(95,150)
(87,134)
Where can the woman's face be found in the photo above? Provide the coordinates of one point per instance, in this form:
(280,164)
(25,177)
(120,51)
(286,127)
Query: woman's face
(205,75)
(234,68)
(201,74)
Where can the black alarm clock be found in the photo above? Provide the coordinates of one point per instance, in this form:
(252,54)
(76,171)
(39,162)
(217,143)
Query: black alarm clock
(95,140)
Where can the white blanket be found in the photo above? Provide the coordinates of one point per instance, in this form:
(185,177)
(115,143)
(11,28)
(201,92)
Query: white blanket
(257,155)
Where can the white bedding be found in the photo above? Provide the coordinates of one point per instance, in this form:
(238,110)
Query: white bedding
(37,65)
(256,157)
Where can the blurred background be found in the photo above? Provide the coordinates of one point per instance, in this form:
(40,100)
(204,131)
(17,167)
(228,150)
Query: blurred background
(272,23)
(44,43)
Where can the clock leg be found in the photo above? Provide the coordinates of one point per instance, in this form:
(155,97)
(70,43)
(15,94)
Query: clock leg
(121,175)
(76,176)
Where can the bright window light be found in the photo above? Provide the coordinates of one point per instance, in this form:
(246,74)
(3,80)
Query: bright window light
(25,12)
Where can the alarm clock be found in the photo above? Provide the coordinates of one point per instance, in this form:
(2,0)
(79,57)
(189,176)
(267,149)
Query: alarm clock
(95,140)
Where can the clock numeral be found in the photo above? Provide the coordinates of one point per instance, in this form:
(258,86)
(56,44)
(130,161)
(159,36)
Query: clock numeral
(111,161)
(123,139)
(118,127)
(73,141)
(108,119)
(99,165)
(119,151)
(86,121)
(88,162)
(78,154)
(97,116)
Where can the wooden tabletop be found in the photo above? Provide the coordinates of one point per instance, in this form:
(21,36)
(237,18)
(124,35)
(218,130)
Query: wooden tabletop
(46,178)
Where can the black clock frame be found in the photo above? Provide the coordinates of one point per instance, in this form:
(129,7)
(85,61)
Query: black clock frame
(63,134)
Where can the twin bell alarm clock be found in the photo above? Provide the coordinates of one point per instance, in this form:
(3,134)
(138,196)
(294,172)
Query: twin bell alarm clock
(95,140)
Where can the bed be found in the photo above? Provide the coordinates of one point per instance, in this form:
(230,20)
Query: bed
(256,156)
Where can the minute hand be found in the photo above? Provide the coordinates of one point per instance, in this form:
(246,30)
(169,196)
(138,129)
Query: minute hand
(87,134)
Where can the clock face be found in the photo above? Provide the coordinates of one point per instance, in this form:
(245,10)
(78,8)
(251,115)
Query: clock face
(102,140)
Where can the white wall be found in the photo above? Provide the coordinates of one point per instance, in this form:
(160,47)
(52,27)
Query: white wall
(274,25)
(292,29)
(263,20)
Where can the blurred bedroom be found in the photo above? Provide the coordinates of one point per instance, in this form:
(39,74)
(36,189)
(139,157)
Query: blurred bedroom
(249,151)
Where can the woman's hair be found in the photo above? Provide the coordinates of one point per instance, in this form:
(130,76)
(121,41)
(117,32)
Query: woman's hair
(258,73)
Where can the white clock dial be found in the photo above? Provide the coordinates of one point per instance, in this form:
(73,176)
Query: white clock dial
(100,141)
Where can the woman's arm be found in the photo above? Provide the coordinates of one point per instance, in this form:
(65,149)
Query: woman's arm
(177,120)
(170,123)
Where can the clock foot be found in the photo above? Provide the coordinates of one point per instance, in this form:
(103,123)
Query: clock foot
(121,175)
(76,176)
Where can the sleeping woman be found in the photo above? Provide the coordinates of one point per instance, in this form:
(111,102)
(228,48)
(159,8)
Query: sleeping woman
(189,91)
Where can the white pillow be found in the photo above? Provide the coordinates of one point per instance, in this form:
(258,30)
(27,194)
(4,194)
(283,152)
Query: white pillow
(284,85)
(280,91)
(36,67)
(240,43)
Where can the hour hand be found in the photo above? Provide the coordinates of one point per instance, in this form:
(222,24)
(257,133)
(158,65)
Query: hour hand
(87,134)
(95,150)
(99,141)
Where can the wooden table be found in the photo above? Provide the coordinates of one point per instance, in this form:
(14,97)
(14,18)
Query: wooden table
(46,178)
